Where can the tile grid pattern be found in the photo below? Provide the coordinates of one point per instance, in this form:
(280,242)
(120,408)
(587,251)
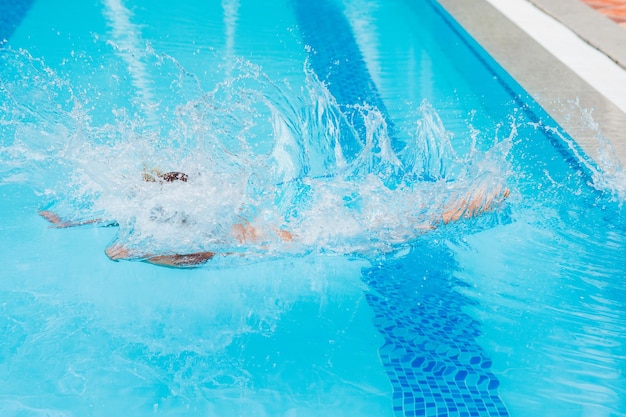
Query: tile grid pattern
(336,59)
(614,9)
(11,14)
(430,353)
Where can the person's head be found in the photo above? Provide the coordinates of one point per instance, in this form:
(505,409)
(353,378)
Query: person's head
(172,176)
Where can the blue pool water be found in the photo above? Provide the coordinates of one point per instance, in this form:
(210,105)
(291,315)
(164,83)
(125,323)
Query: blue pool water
(346,121)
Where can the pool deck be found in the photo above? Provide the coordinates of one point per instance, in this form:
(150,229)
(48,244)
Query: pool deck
(560,51)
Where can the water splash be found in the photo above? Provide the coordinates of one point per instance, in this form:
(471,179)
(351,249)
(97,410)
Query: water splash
(255,150)
(608,174)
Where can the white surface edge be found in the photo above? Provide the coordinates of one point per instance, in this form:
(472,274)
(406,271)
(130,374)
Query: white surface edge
(599,71)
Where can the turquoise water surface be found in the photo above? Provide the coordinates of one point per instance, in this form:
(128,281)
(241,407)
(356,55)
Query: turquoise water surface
(353,124)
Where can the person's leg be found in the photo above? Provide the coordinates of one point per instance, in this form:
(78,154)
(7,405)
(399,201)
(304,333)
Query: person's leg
(117,252)
(181,261)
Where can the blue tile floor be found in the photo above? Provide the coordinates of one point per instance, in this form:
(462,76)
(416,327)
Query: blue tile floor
(430,352)
(11,14)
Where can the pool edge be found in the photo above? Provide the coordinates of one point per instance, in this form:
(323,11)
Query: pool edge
(551,82)
(594,28)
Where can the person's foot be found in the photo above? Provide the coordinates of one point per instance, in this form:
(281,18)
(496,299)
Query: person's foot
(475,204)
(117,252)
(244,232)
(284,235)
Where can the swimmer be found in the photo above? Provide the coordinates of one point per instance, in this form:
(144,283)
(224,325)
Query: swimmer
(467,206)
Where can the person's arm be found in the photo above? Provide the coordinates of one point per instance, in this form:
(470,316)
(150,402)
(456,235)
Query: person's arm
(60,223)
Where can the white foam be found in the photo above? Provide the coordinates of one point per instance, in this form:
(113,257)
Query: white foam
(331,197)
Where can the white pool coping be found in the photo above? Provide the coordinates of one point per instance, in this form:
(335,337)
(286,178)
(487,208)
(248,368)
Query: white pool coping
(585,60)
(582,61)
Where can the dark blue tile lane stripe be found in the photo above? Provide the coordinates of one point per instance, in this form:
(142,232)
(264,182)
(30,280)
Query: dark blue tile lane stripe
(337,61)
(430,352)
(12,13)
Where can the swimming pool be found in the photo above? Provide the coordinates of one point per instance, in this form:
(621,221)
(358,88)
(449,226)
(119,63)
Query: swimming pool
(517,313)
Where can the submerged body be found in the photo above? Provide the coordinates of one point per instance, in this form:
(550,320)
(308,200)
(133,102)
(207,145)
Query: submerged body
(256,234)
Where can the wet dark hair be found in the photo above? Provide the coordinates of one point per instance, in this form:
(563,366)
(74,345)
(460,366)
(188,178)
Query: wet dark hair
(174,176)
